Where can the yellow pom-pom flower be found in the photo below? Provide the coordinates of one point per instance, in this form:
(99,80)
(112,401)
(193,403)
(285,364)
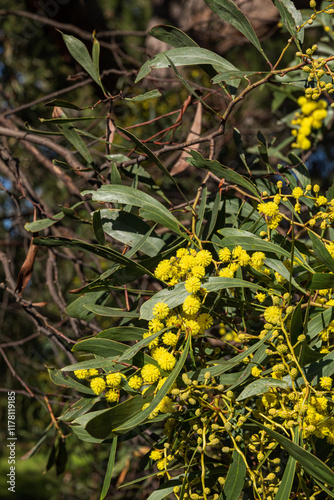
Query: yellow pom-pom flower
(98,385)
(160,310)
(114,379)
(81,374)
(224,254)
(192,284)
(191,305)
(135,382)
(203,258)
(150,373)
(112,396)
(169,338)
(272,315)
(326,383)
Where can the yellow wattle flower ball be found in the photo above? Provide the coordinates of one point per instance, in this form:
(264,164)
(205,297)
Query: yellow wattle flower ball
(81,374)
(98,385)
(112,396)
(272,315)
(114,379)
(160,310)
(191,304)
(150,373)
(135,382)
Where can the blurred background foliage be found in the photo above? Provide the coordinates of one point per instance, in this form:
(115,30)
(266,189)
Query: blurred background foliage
(35,67)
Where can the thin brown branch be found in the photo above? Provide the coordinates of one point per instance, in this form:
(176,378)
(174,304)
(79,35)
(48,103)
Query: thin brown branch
(48,143)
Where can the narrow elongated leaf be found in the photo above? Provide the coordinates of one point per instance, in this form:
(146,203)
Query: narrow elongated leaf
(131,196)
(235,479)
(111,312)
(112,349)
(79,52)
(123,333)
(284,489)
(164,490)
(39,443)
(186,56)
(218,169)
(60,378)
(151,94)
(172,36)
(110,468)
(98,228)
(39,225)
(250,242)
(260,387)
(77,308)
(63,104)
(321,251)
(321,281)
(291,18)
(309,462)
(320,322)
(101,251)
(130,229)
(99,423)
(79,408)
(227,10)
(214,284)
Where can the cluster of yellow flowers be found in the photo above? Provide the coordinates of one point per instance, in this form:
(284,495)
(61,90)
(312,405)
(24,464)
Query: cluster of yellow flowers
(310,117)
(203,414)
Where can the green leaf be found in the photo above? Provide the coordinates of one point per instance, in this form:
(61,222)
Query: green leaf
(321,281)
(261,386)
(109,348)
(102,251)
(78,408)
(98,228)
(291,18)
(39,443)
(172,36)
(99,423)
(321,251)
(215,284)
(312,465)
(152,94)
(235,479)
(221,171)
(74,138)
(76,309)
(228,11)
(83,435)
(320,322)
(284,489)
(110,468)
(111,312)
(149,206)
(164,490)
(63,104)
(130,229)
(124,333)
(249,242)
(60,378)
(39,225)
(230,75)
(139,418)
(79,52)
(185,56)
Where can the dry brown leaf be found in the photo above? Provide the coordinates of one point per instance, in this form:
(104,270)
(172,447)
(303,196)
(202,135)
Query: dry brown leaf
(194,133)
(26,269)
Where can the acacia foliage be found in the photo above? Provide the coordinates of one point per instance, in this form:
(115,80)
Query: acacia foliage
(216,311)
